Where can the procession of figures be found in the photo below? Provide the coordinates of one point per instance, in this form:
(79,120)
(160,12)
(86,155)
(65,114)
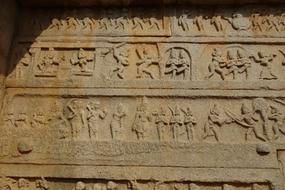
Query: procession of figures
(232,62)
(42,184)
(81,120)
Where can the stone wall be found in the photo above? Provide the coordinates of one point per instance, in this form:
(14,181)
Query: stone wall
(169,97)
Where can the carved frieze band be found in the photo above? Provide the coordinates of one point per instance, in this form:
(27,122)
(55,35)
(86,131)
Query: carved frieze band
(157,63)
(46,184)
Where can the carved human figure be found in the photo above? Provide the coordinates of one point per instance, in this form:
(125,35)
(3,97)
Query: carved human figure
(88,24)
(42,184)
(23,184)
(198,21)
(281,22)
(112,185)
(17,120)
(248,119)
(134,185)
(95,113)
(278,118)
(272,23)
(72,23)
(265,60)
(7,183)
(183,21)
(217,65)
(177,63)
(243,63)
(55,24)
(80,186)
(121,57)
(176,122)
(141,121)
(218,23)
(239,22)
(215,121)
(189,122)
(122,21)
(38,119)
(262,107)
(77,118)
(138,23)
(144,63)
(161,122)
(256,22)
(231,67)
(82,59)
(24,62)
(116,125)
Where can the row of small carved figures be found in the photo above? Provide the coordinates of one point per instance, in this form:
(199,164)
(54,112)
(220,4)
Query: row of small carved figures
(256,22)
(105,24)
(43,184)
(84,124)
(237,21)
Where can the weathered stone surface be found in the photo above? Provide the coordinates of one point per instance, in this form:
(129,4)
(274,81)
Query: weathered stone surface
(171,96)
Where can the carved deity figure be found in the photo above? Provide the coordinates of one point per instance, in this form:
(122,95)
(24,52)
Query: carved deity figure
(42,184)
(215,121)
(121,57)
(95,113)
(142,120)
(47,66)
(177,63)
(161,122)
(265,60)
(218,23)
(189,122)
(183,21)
(77,119)
(39,119)
(144,63)
(116,125)
(82,59)
(248,119)
(80,186)
(176,122)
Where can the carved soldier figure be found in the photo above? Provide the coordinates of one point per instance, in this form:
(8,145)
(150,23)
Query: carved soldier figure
(42,184)
(272,23)
(142,120)
(189,122)
(215,120)
(88,24)
(95,113)
(278,118)
(55,23)
(145,61)
(217,65)
(117,122)
(175,122)
(161,122)
(248,120)
(77,118)
(218,23)
(137,23)
(265,61)
(256,22)
(82,59)
(231,64)
(243,63)
(198,21)
(38,120)
(183,21)
(72,23)
(24,62)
